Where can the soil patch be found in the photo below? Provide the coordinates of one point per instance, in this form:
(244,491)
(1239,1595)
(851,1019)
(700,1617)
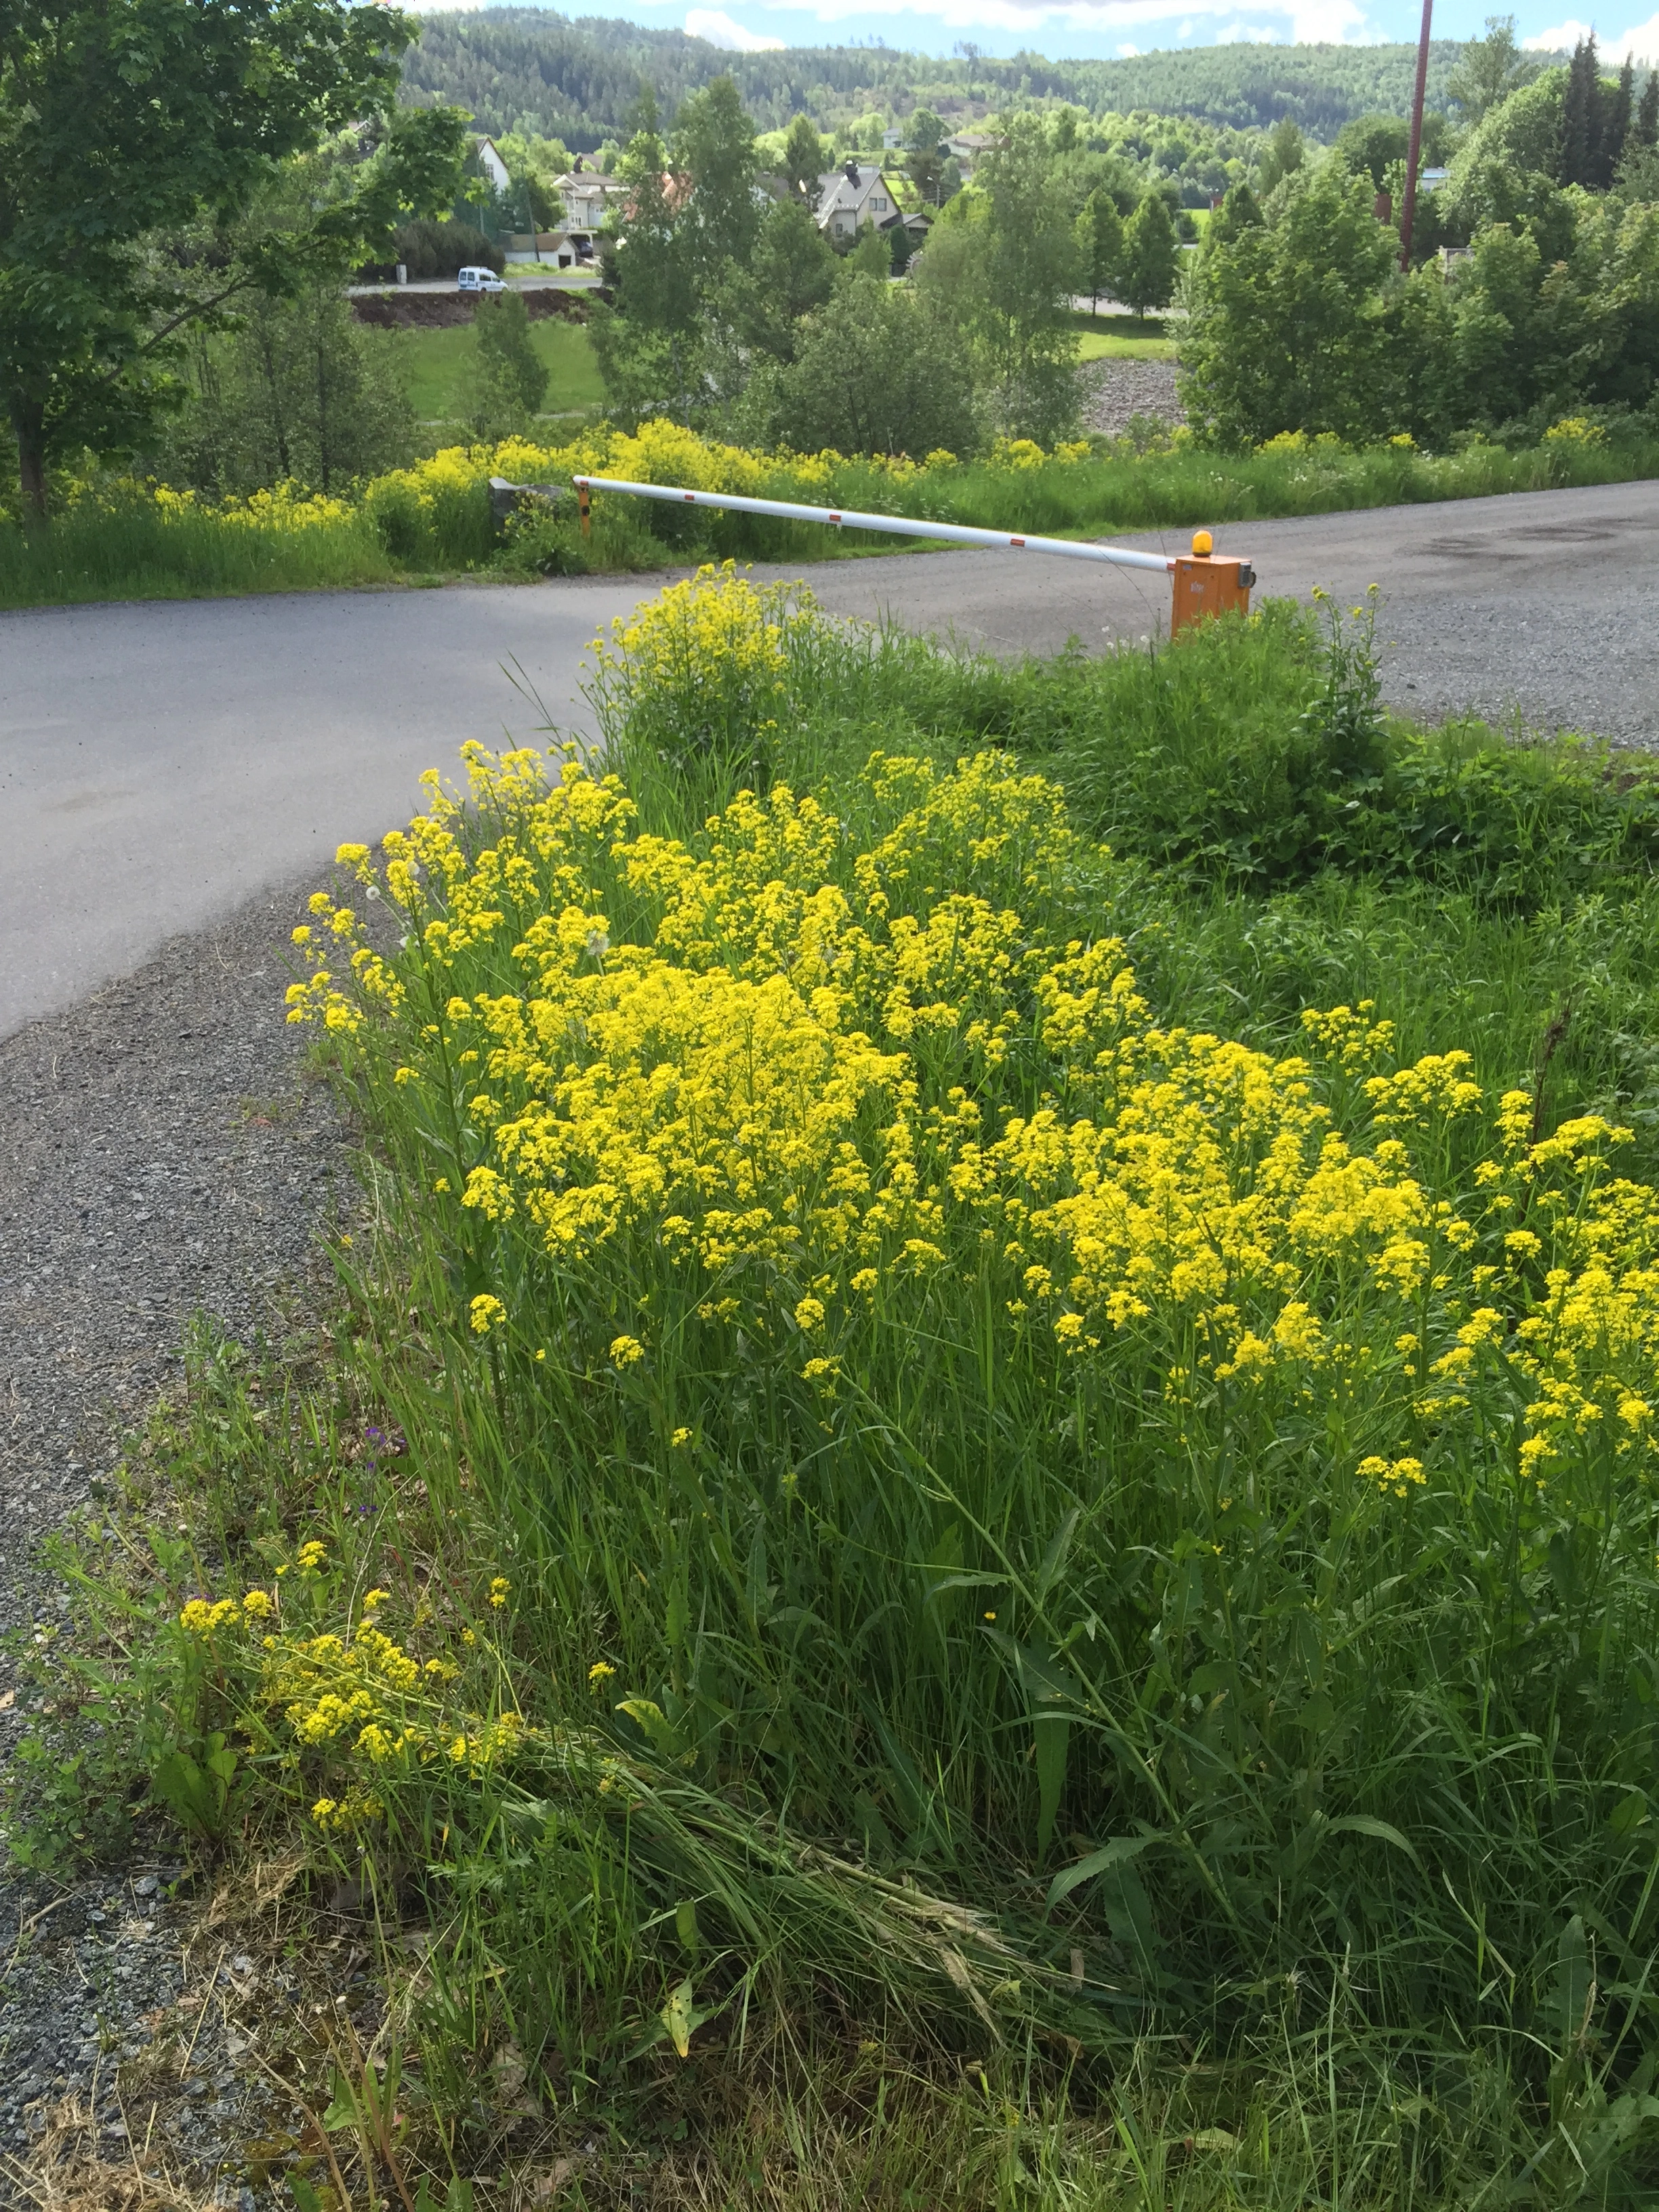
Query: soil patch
(394,310)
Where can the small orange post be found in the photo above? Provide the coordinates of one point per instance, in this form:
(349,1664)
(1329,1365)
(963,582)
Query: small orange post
(1209,583)
(582,506)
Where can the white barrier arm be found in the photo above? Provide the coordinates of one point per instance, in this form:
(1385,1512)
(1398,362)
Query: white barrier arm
(894,525)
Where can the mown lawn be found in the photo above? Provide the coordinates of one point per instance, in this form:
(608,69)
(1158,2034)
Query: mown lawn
(434,361)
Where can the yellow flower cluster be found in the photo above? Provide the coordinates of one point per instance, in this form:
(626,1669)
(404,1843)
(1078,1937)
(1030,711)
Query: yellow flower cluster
(811,1086)
(283,510)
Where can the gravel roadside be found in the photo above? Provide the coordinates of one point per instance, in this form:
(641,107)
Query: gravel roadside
(165,1154)
(1113,392)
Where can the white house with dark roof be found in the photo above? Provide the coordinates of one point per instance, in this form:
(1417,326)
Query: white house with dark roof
(492,165)
(854,195)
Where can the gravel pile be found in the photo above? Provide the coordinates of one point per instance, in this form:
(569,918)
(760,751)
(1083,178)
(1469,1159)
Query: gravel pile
(164,1155)
(1115,392)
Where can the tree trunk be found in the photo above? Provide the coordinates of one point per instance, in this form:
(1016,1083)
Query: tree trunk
(32,459)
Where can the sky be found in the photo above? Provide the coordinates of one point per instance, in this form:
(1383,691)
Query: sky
(1076,27)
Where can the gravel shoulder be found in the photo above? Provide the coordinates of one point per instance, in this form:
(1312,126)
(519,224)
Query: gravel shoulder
(165,1154)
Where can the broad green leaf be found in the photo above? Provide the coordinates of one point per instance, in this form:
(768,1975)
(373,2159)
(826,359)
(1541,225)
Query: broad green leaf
(1120,1849)
(676,2017)
(1363,1824)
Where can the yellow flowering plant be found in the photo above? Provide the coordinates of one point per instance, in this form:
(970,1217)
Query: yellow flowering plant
(862,1241)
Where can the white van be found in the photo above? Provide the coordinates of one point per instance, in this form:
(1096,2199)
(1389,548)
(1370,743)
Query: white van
(479,280)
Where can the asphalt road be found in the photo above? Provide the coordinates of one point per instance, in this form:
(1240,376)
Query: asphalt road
(163,764)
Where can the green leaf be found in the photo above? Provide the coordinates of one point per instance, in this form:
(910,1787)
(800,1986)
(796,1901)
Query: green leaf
(653,1723)
(676,2017)
(685,1924)
(1363,1824)
(1054,1558)
(1117,1853)
(306,2198)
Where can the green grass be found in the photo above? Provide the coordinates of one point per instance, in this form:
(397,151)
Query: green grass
(1113,489)
(1110,345)
(125,547)
(783,1690)
(435,361)
(1124,337)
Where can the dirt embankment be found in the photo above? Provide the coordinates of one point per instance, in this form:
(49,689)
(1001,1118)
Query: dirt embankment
(395,310)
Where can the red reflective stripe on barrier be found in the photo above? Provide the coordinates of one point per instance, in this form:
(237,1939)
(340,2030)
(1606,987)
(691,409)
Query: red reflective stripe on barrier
(692,497)
(1015,541)
(833,517)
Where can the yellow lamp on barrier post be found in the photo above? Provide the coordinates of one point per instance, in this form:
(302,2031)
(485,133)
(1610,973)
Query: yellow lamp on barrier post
(1208,583)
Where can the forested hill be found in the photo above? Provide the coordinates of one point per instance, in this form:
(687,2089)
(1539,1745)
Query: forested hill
(527,69)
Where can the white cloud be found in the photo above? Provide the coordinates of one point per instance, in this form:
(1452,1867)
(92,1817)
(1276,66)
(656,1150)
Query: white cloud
(1327,21)
(714,25)
(1565,35)
(1127,53)
(1641,41)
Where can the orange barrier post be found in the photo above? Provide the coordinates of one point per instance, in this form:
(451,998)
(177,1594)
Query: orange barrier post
(1208,583)
(582,506)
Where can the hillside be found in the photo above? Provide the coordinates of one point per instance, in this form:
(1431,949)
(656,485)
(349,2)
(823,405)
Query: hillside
(530,69)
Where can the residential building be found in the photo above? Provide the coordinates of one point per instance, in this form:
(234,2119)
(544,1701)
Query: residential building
(492,165)
(966,147)
(854,195)
(588,197)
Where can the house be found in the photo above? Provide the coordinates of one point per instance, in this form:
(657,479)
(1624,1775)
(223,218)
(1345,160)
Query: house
(852,196)
(588,197)
(892,140)
(1431,179)
(966,147)
(492,165)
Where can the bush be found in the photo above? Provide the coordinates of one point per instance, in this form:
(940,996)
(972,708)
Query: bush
(926,1402)
(429,249)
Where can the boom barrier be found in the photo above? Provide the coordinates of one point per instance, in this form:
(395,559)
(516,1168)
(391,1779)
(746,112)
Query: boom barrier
(1206,582)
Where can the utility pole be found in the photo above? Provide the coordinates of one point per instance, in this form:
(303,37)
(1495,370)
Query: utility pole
(1408,208)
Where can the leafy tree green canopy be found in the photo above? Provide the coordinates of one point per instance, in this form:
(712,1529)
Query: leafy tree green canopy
(1489,70)
(120,119)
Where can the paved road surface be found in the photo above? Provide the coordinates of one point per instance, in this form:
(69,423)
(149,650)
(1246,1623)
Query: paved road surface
(162,764)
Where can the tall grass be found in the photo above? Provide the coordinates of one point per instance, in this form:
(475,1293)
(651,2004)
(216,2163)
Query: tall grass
(133,546)
(435,517)
(915,1440)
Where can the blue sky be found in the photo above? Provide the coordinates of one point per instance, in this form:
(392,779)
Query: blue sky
(1109,27)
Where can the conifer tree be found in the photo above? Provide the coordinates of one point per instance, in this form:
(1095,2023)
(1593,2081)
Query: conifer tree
(1100,240)
(1582,122)
(1149,256)
(1616,128)
(1646,125)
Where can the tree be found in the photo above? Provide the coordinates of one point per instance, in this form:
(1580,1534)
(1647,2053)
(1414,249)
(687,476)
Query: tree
(1100,243)
(1284,154)
(805,158)
(646,343)
(507,378)
(1581,119)
(876,372)
(300,391)
(791,273)
(924,152)
(1004,274)
(1150,257)
(714,152)
(1489,70)
(1370,145)
(1286,332)
(123,118)
(1646,127)
(1619,112)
